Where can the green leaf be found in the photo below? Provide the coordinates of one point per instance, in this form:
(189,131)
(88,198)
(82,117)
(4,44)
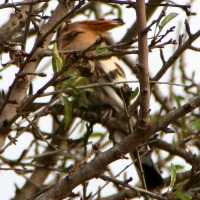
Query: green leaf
(167,19)
(182,196)
(79,95)
(90,13)
(179,167)
(179,193)
(169,157)
(99,51)
(157,24)
(57,61)
(80,81)
(173,175)
(119,10)
(97,134)
(196,124)
(69,78)
(165,7)
(179,186)
(134,93)
(68,110)
(178,100)
(72,73)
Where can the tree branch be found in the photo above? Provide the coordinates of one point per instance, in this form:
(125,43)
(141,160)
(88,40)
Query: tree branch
(92,169)
(143,68)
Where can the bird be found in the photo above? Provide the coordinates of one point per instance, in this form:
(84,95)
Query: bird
(82,36)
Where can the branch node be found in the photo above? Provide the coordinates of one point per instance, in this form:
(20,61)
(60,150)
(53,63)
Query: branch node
(145,91)
(68,178)
(189,107)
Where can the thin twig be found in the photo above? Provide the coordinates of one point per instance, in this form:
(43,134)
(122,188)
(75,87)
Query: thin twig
(138,190)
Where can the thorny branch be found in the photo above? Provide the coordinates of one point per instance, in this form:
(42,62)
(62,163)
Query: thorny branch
(60,147)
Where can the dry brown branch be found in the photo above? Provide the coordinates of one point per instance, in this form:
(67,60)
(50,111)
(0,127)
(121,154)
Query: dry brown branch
(18,89)
(56,133)
(65,186)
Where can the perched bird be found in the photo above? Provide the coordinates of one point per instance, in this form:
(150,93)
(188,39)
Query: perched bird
(81,36)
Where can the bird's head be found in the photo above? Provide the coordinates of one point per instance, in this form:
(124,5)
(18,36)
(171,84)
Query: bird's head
(82,34)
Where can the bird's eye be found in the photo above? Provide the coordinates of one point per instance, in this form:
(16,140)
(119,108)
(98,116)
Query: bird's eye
(71,36)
